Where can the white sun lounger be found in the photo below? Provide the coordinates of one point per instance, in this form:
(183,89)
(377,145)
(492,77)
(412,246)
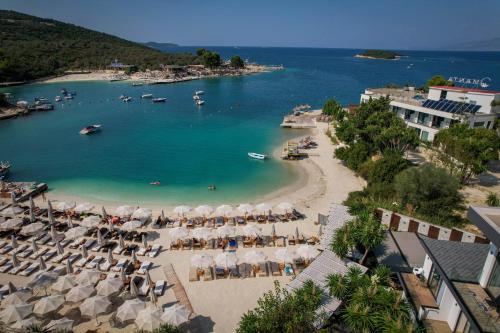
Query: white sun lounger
(121,264)
(6,267)
(159,286)
(2,244)
(6,249)
(94,262)
(30,269)
(144,288)
(142,251)
(26,253)
(61,257)
(65,242)
(43,240)
(49,255)
(144,267)
(59,270)
(105,266)
(82,262)
(3,260)
(154,250)
(88,244)
(21,248)
(118,250)
(20,268)
(39,253)
(72,258)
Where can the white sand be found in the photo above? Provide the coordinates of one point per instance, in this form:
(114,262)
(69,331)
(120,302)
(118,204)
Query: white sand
(93,76)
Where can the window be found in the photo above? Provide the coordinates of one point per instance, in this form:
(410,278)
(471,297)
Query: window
(408,114)
(435,280)
(463,325)
(425,136)
(479,124)
(437,121)
(422,118)
(443,94)
(493,286)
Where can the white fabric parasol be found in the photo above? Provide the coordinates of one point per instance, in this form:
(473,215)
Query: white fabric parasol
(91,221)
(176,314)
(251,230)
(255,257)
(226,259)
(130,309)
(204,210)
(201,260)
(178,233)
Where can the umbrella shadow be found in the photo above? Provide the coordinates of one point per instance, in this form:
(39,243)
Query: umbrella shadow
(153,235)
(75,315)
(199,324)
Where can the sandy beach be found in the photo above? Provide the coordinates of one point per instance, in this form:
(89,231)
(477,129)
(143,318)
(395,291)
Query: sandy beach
(93,76)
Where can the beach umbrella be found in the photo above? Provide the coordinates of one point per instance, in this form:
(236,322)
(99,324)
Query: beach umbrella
(121,241)
(204,210)
(76,232)
(255,257)
(286,255)
(50,214)
(84,207)
(32,210)
(13,242)
(12,211)
(43,280)
(320,230)
(153,298)
(34,247)
(263,207)
(88,277)
(224,210)
(11,224)
(15,312)
(123,275)
(148,278)
(307,252)
(181,210)
(246,208)
(149,319)
(202,233)
(110,255)
(144,240)
(134,256)
(59,248)
(134,291)
(69,222)
(252,230)
(41,263)
(99,237)
(130,309)
(273,231)
(84,251)
(48,304)
(176,314)
(11,287)
(25,323)
(226,231)
(91,221)
(60,325)
(178,233)
(142,214)
(53,233)
(79,293)
(69,267)
(94,306)
(13,199)
(226,259)
(111,226)
(124,211)
(104,213)
(286,206)
(17,297)
(63,206)
(131,225)
(201,260)
(63,284)
(15,261)
(109,286)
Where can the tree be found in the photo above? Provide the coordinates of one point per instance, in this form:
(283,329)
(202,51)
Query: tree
(333,108)
(211,59)
(385,169)
(465,151)
(492,200)
(437,80)
(237,62)
(282,311)
(201,51)
(353,155)
(428,190)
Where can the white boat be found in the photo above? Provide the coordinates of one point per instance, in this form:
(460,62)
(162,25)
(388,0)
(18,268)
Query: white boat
(90,129)
(257,156)
(127,99)
(137,84)
(159,100)
(200,102)
(147,96)
(68,97)
(196,97)
(199,92)
(58,99)
(122,97)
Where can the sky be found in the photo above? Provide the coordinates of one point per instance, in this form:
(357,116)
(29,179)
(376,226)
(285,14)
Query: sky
(385,24)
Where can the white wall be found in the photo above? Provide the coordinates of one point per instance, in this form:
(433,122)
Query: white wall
(427,267)
(489,264)
(479,98)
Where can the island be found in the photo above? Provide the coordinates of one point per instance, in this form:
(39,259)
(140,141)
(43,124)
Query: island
(379,54)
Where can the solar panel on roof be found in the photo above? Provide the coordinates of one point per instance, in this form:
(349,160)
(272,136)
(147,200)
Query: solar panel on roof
(450,106)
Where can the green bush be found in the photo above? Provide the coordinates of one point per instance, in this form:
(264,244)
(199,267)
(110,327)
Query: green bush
(353,155)
(493,200)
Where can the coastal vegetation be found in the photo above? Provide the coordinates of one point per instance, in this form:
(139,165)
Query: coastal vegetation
(493,200)
(237,62)
(334,109)
(436,80)
(209,59)
(380,54)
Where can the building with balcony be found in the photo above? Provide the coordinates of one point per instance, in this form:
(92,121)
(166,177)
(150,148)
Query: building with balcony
(441,107)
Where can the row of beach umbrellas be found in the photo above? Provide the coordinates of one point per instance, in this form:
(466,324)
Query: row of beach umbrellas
(245,208)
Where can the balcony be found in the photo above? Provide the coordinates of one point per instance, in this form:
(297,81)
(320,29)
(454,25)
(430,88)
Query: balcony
(420,294)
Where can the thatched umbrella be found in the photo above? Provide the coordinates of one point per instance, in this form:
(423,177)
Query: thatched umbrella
(64,283)
(48,304)
(94,306)
(176,315)
(79,293)
(15,298)
(16,312)
(149,319)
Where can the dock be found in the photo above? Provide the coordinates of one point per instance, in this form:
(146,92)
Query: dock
(291,151)
(301,120)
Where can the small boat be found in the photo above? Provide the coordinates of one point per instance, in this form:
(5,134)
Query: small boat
(64,91)
(147,96)
(159,100)
(196,97)
(58,99)
(90,129)
(199,92)
(212,187)
(4,169)
(68,97)
(155,183)
(127,99)
(137,84)
(200,102)
(41,100)
(257,156)
(122,97)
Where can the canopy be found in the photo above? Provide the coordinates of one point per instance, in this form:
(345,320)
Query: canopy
(142,214)
(130,309)
(69,222)
(84,207)
(204,210)
(246,208)
(226,231)
(124,211)
(134,291)
(91,221)
(32,229)
(176,314)
(64,206)
(63,284)
(251,230)
(202,233)
(148,319)
(43,280)
(178,233)
(255,257)
(41,263)
(17,297)
(132,225)
(12,211)
(224,210)
(286,255)
(15,312)
(94,306)
(48,304)
(201,260)
(307,252)
(11,224)
(181,210)
(263,207)
(63,325)
(109,286)
(226,259)
(88,277)
(76,232)
(79,293)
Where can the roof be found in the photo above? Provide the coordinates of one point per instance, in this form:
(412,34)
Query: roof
(401,251)
(337,217)
(449,106)
(487,219)
(465,90)
(459,261)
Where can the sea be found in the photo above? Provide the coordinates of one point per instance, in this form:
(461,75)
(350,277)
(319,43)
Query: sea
(186,147)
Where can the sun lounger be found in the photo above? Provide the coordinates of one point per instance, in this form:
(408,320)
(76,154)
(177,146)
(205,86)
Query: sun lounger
(50,268)
(26,253)
(231,221)
(21,248)
(49,254)
(142,251)
(58,259)
(154,250)
(93,264)
(3,261)
(193,274)
(65,242)
(207,274)
(2,244)
(169,223)
(159,287)
(118,250)
(174,245)
(72,257)
(190,223)
(20,268)
(220,273)
(210,223)
(83,261)
(263,269)
(106,265)
(245,270)
(291,240)
(247,242)
(240,220)
(232,245)
(38,253)
(219,221)
(233,272)
(59,270)
(97,248)
(6,267)
(275,268)
(144,288)
(289,271)
(261,219)
(177,223)
(6,249)
(312,240)
(301,239)
(259,242)
(120,265)
(271,218)
(43,240)
(30,269)
(144,267)
(196,244)
(186,244)
(88,244)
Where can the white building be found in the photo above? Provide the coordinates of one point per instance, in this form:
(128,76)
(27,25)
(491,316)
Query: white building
(441,107)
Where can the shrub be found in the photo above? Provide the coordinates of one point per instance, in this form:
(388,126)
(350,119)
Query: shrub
(493,200)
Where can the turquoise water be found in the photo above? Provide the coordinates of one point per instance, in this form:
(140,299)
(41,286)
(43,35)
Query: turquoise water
(187,147)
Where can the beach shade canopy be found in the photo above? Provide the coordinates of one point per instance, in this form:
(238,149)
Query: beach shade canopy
(11,287)
(59,248)
(69,267)
(110,255)
(104,213)
(41,263)
(84,207)
(178,233)
(88,277)
(50,214)
(224,210)
(132,225)
(145,240)
(273,231)
(286,255)
(201,260)
(263,207)
(226,231)
(76,232)
(134,291)
(251,230)
(25,323)
(63,206)
(286,206)
(63,284)
(148,319)
(226,259)
(15,261)
(94,306)
(307,252)
(13,242)
(181,210)
(32,229)
(34,246)
(48,304)
(12,211)
(246,208)
(32,211)
(320,230)
(60,325)
(202,233)
(43,280)
(110,286)
(15,312)
(11,224)
(17,297)
(79,293)
(254,257)
(124,211)
(130,309)
(91,221)
(121,241)
(176,314)
(85,253)
(204,210)
(142,214)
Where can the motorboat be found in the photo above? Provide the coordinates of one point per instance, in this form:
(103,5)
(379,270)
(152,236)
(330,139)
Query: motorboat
(68,96)
(127,99)
(200,102)
(196,97)
(122,97)
(4,169)
(64,91)
(147,96)
(257,156)
(90,129)
(159,100)
(58,99)
(199,92)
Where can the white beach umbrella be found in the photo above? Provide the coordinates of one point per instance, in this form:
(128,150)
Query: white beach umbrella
(204,210)
(60,325)
(12,211)
(54,235)
(142,214)
(246,208)
(224,210)
(11,287)
(201,260)
(131,225)
(34,246)
(63,206)
(307,252)
(287,255)
(32,211)
(76,232)
(130,309)
(226,259)
(149,319)
(121,241)
(320,230)
(104,213)
(13,242)
(48,304)
(181,210)
(109,286)
(85,253)
(25,323)
(176,314)
(50,214)
(255,257)
(202,233)
(273,231)
(226,231)
(43,280)
(69,267)
(79,293)
(178,233)
(59,248)
(15,261)
(263,207)
(91,221)
(134,291)
(94,306)
(251,230)
(64,283)
(69,222)
(84,207)
(88,277)
(286,206)
(17,297)
(11,224)
(41,263)
(145,240)
(15,312)
(124,211)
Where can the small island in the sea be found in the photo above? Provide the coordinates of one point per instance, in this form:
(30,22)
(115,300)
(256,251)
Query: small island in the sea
(379,54)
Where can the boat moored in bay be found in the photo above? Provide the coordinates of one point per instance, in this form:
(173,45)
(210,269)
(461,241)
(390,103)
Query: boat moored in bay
(90,129)
(159,100)
(4,169)
(147,96)
(257,156)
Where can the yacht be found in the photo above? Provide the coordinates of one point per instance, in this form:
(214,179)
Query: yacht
(199,92)
(257,156)
(68,97)
(90,129)
(200,102)
(147,96)
(58,99)
(159,100)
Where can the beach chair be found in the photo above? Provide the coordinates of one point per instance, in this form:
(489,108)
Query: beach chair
(38,253)
(43,240)
(83,261)
(120,265)
(259,242)
(231,221)
(144,288)
(26,253)
(275,268)
(219,221)
(88,243)
(299,264)
(232,245)
(59,270)
(234,272)
(271,218)
(220,273)
(20,268)
(20,248)
(210,223)
(142,251)
(6,249)
(3,261)
(196,244)
(174,245)
(30,269)
(154,250)
(118,250)
(291,240)
(49,254)
(58,259)
(250,218)
(263,269)
(6,267)
(72,257)
(2,244)
(193,274)
(279,241)
(301,239)
(247,242)
(94,262)
(289,271)
(240,220)
(210,244)
(105,265)
(169,223)
(186,244)
(144,267)
(261,219)
(65,242)
(159,287)
(207,274)
(312,240)
(190,223)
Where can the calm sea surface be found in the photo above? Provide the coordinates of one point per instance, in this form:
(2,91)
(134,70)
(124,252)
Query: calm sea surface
(188,148)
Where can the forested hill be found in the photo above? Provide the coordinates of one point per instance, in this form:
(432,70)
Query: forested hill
(33,47)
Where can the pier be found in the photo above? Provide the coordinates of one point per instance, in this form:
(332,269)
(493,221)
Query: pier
(301,119)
